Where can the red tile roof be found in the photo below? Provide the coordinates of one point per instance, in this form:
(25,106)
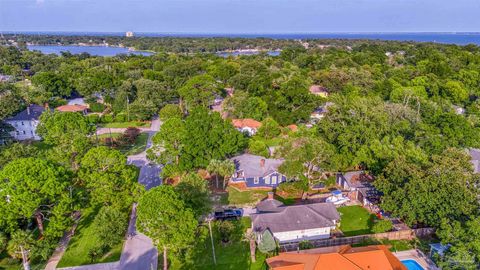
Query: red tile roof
(247,122)
(72,108)
(345,258)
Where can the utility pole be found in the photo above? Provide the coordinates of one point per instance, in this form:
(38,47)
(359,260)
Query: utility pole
(211,238)
(26,265)
(128,111)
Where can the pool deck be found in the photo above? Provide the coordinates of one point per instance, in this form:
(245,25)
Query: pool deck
(418,256)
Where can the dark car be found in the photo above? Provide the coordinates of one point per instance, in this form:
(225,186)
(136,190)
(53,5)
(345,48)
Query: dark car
(228,214)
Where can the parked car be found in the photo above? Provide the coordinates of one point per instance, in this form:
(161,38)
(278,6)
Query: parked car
(228,214)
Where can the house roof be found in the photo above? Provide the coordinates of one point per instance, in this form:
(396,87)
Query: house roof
(475,155)
(269,205)
(358,179)
(293,127)
(247,122)
(346,258)
(317,89)
(296,217)
(33,112)
(72,108)
(251,165)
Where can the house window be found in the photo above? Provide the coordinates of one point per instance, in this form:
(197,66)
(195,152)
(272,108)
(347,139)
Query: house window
(23,123)
(24,132)
(267,180)
(274,179)
(256,180)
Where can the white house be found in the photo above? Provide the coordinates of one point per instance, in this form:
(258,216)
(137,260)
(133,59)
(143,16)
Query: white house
(25,123)
(295,223)
(247,125)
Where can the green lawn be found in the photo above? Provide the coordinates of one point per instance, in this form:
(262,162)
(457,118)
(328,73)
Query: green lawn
(355,220)
(125,124)
(245,197)
(233,256)
(136,148)
(395,245)
(84,240)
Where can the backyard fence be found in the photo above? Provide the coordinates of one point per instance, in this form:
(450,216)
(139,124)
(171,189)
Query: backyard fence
(395,235)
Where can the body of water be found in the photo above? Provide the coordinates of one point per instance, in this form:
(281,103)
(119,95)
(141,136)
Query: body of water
(237,53)
(459,38)
(92,50)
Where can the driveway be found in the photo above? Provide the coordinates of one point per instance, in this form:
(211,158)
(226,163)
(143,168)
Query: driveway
(139,253)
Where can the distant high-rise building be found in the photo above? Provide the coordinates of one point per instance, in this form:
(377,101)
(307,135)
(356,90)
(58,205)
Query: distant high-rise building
(129,34)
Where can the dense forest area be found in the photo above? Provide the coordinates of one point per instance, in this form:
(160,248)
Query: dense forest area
(405,112)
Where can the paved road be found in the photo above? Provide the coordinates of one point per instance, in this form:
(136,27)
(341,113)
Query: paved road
(139,252)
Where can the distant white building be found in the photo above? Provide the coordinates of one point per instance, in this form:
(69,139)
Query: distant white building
(129,34)
(25,123)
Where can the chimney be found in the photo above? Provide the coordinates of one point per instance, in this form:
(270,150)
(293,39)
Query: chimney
(28,109)
(262,162)
(270,195)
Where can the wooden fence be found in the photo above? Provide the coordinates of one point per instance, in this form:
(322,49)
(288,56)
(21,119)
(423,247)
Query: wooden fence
(396,235)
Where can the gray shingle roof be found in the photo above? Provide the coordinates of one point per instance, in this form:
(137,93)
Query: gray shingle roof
(270,205)
(297,217)
(251,165)
(32,113)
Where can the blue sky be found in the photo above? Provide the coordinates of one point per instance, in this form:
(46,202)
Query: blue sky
(241,16)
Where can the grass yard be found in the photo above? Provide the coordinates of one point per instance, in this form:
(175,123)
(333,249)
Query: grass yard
(125,124)
(245,197)
(395,245)
(136,148)
(84,240)
(233,256)
(355,220)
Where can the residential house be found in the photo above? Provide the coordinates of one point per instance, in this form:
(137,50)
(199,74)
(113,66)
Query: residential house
(376,257)
(73,108)
(319,90)
(319,113)
(294,223)
(475,159)
(360,187)
(6,78)
(257,172)
(247,125)
(25,123)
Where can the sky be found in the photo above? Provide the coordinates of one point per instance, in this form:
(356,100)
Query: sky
(240,16)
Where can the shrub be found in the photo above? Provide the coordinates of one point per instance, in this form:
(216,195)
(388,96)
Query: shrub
(107,118)
(96,107)
(305,244)
(93,118)
(383,225)
(331,181)
(121,117)
(110,225)
(258,148)
(129,136)
(3,241)
(226,230)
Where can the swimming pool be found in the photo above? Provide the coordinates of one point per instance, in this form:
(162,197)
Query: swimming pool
(412,265)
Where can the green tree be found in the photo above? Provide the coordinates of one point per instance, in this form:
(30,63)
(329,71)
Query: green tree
(242,105)
(208,137)
(15,151)
(170,111)
(455,91)
(67,131)
(162,216)
(383,225)
(194,192)
(269,128)
(108,178)
(168,143)
(258,147)
(268,243)
(198,91)
(53,83)
(19,246)
(222,168)
(110,224)
(33,188)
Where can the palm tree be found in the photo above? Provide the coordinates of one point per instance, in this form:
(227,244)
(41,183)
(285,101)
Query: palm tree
(214,168)
(227,167)
(19,247)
